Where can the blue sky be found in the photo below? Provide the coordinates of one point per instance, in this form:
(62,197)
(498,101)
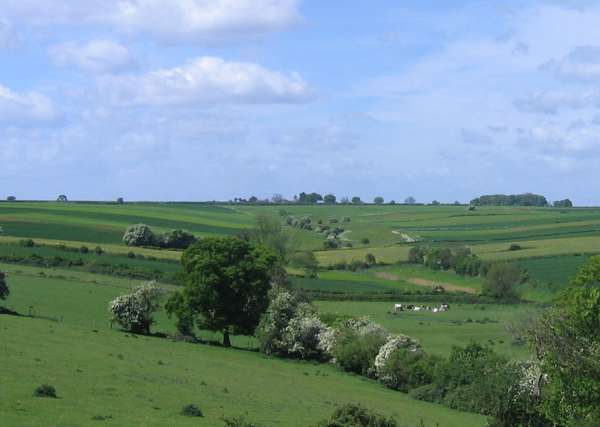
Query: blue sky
(216,99)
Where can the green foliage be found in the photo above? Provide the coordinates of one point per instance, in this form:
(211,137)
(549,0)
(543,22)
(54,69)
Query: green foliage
(370,259)
(378,200)
(176,239)
(329,199)
(4,289)
(270,234)
(589,273)
(565,203)
(515,247)
(191,410)
(311,198)
(527,199)
(239,422)
(501,281)
(354,415)
(45,390)
(227,281)
(416,255)
(307,262)
(406,369)
(567,344)
(28,243)
(356,200)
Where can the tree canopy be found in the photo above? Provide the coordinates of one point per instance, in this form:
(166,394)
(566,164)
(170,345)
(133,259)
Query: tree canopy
(527,199)
(226,285)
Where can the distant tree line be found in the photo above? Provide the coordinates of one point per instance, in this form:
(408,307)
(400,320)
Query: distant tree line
(313,198)
(527,199)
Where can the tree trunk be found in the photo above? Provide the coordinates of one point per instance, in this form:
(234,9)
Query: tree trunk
(226,341)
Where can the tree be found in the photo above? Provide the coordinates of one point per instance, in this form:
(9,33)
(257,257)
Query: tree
(176,239)
(501,281)
(566,203)
(252,199)
(329,199)
(134,311)
(370,259)
(11,198)
(306,261)
(226,285)
(356,200)
(435,203)
(353,415)
(277,198)
(61,198)
(4,290)
(567,344)
(139,235)
(410,200)
(120,201)
(378,200)
(270,234)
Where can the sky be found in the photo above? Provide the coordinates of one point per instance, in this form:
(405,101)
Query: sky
(217,99)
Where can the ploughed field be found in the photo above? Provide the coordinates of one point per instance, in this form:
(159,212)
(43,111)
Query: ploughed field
(62,284)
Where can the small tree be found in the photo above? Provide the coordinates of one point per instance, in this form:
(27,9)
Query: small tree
(270,234)
(370,259)
(139,235)
(329,199)
(11,198)
(306,261)
(378,200)
(120,201)
(176,239)
(134,311)
(501,281)
(4,290)
(61,198)
(227,281)
(356,200)
(410,200)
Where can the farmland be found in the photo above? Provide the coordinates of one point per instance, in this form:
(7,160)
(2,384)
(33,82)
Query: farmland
(75,263)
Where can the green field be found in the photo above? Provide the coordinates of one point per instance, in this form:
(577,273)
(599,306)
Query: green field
(146,380)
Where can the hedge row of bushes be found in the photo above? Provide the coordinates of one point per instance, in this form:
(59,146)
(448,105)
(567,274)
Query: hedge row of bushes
(142,235)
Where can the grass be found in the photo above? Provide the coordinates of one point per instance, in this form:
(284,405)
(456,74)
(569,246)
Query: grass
(438,332)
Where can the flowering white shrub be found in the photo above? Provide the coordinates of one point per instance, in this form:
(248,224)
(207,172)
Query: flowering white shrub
(362,327)
(134,311)
(290,328)
(396,342)
(139,235)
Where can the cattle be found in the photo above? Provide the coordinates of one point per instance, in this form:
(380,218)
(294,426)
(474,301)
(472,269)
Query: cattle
(398,307)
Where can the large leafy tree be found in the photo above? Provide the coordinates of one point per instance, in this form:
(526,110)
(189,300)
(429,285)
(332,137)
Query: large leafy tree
(567,343)
(227,281)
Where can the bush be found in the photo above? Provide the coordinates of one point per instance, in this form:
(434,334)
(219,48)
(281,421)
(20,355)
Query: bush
(239,422)
(355,345)
(501,281)
(134,311)
(45,390)
(395,364)
(514,247)
(416,255)
(139,235)
(28,243)
(365,241)
(370,259)
(84,250)
(98,250)
(4,289)
(353,415)
(290,328)
(191,410)
(176,239)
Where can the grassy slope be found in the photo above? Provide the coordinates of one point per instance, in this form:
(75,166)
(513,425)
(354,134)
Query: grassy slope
(145,381)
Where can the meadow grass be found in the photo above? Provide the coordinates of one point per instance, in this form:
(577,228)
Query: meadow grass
(438,332)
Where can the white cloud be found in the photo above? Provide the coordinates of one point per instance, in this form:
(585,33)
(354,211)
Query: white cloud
(166,20)
(26,109)
(581,64)
(206,80)
(96,56)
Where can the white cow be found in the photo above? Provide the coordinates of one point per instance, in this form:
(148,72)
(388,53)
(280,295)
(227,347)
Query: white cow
(398,307)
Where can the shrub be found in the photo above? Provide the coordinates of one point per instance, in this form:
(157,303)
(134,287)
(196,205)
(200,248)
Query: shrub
(28,243)
(355,345)
(134,311)
(139,235)
(84,250)
(353,415)
(370,259)
(365,241)
(396,344)
(501,281)
(176,239)
(514,247)
(45,390)
(98,250)
(330,244)
(306,261)
(416,255)
(4,289)
(290,328)
(239,422)
(191,410)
